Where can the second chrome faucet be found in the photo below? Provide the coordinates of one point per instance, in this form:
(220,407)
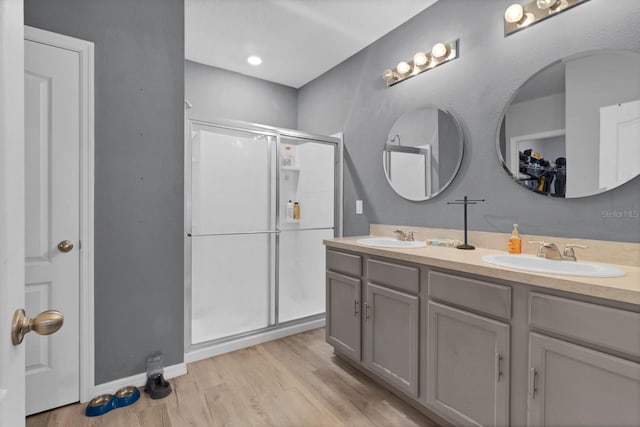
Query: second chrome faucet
(551,251)
(405,235)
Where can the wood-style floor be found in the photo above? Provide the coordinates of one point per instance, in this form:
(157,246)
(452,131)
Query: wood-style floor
(295,381)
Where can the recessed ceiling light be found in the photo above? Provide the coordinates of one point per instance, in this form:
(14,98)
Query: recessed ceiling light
(254,60)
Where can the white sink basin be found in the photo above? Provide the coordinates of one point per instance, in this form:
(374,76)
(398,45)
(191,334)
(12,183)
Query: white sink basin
(389,242)
(550,266)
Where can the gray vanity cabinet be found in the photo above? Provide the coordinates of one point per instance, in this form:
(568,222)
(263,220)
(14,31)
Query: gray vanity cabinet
(573,385)
(344,303)
(343,314)
(373,316)
(467,366)
(391,336)
(443,340)
(392,314)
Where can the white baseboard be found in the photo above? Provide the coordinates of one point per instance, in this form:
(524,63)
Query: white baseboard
(138,380)
(244,342)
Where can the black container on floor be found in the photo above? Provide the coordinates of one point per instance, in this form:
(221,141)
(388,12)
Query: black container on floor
(157,387)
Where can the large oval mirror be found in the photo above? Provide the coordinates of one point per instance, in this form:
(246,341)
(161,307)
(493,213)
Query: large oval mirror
(573,129)
(423,153)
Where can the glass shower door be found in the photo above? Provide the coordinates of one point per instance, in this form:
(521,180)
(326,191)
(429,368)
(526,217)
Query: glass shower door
(233,232)
(307,177)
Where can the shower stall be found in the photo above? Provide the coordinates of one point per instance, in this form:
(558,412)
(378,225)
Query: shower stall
(254,271)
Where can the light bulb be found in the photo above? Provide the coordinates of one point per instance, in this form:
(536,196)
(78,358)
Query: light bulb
(514,14)
(254,60)
(548,4)
(403,67)
(389,75)
(439,51)
(420,59)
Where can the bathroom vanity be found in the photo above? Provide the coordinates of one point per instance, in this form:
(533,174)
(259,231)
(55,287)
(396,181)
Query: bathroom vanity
(477,344)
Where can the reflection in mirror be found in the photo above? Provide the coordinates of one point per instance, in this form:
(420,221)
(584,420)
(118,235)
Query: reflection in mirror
(423,153)
(573,129)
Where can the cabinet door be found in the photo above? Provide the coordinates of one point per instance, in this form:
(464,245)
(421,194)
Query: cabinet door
(570,385)
(467,367)
(343,314)
(391,324)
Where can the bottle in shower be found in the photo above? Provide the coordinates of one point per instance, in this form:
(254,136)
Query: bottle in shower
(296,211)
(289,212)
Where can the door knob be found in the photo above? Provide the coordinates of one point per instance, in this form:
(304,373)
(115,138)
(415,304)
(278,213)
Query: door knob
(45,323)
(65,246)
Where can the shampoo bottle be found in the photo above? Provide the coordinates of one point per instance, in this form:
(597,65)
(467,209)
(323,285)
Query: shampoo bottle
(515,242)
(296,211)
(289,210)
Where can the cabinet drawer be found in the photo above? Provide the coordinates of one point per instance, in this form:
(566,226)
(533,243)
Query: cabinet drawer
(344,263)
(476,295)
(395,275)
(603,326)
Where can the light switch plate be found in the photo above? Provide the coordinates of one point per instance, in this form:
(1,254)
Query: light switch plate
(358,207)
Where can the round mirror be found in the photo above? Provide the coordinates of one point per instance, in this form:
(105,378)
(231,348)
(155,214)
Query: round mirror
(423,153)
(573,129)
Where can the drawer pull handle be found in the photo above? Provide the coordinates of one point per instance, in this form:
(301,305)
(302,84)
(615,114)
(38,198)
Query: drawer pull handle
(355,307)
(498,366)
(366,310)
(532,383)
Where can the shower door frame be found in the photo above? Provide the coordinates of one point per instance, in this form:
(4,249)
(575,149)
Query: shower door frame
(199,351)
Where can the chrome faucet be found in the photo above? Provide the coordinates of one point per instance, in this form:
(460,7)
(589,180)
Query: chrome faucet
(551,251)
(405,235)
(548,250)
(568,252)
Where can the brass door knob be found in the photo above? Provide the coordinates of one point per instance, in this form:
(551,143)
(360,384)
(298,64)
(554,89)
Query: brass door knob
(45,323)
(65,246)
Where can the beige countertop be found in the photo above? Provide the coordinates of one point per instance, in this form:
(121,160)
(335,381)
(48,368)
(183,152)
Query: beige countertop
(624,289)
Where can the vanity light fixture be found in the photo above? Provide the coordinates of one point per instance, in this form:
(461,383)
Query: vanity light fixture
(439,54)
(518,17)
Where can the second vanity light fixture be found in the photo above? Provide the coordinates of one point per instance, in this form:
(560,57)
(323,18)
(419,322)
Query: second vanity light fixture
(518,17)
(440,53)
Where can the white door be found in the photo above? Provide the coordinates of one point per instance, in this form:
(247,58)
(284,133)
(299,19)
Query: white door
(52,215)
(11,209)
(619,144)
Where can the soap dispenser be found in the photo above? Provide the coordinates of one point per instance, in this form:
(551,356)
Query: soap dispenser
(515,242)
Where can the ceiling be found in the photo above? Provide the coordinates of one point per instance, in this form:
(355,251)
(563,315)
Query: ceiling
(298,40)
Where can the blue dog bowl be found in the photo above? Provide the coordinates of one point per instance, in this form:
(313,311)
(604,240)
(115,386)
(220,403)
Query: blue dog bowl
(106,402)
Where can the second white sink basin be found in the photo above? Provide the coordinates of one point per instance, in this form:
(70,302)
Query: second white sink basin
(550,266)
(389,242)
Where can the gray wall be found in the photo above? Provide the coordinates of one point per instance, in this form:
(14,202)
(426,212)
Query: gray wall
(220,94)
(353,98)
(139,89)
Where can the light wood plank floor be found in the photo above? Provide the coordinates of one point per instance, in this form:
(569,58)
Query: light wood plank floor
(295,381)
